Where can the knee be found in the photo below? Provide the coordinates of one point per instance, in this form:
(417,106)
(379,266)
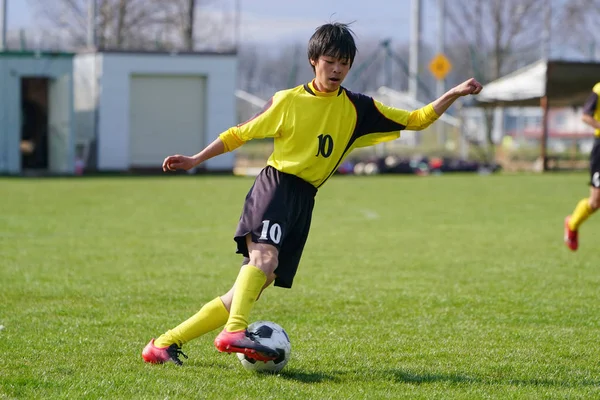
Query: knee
(594,199)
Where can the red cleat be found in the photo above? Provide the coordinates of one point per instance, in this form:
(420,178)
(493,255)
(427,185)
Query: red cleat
(158,355)
(570,236)
(242,342)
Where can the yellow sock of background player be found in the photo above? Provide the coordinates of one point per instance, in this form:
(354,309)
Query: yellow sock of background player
(580,214)
(210,317)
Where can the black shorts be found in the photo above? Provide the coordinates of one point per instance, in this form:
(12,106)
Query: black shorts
(278,210)
(595,164)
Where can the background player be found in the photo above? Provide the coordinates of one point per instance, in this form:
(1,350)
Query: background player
(588,205)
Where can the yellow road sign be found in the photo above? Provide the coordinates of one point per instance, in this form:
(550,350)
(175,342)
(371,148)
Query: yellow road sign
(440,66)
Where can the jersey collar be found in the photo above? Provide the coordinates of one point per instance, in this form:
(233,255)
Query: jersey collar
(310,88)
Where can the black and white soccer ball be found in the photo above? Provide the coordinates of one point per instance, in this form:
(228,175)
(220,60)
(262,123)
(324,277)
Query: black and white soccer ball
(274,336)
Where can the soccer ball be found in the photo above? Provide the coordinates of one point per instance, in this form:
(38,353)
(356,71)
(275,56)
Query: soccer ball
(272,335)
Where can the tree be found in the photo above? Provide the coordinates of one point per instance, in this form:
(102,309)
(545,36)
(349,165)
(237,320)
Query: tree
(125,24)
(496,36)
(119,24)
(579,27)
(188,31)
(263,70)
(493,37)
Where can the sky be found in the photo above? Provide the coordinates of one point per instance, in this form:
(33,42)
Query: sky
(372,18)
(19,14)
(269,21)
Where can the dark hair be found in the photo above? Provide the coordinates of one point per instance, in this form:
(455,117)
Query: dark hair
(334,40)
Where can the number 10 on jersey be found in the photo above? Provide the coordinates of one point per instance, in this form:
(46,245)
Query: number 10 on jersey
(325,146)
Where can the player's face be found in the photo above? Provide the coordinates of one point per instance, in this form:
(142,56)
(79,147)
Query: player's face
(330,73)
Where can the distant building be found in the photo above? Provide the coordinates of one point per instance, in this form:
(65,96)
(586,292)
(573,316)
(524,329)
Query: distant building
(36,113)
(63,113)
(564,127)
(135,108)
(524,125)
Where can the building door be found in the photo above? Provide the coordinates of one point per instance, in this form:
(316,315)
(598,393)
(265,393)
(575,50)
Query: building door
(166,117)
(60,133)
(34,124)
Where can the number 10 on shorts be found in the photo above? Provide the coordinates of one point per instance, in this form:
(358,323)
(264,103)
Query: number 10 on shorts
(271,232)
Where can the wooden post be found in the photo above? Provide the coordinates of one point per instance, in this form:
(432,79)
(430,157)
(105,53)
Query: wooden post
(544,138)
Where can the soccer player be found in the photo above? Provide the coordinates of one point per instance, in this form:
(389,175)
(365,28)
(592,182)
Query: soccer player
(588,205)
(314,127)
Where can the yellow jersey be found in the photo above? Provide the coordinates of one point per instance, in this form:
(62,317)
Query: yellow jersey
(592,106)
(313,132)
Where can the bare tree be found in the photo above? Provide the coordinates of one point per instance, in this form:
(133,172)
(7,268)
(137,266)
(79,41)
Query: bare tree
(128,24)
(579,27)
(120,24)
(263,70)
(179,18)
(188,32)
(494,37)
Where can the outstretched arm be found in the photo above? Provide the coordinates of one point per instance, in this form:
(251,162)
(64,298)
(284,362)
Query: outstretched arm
(591,121)
(267,123)
(468,87)
(177,161)
(425,116)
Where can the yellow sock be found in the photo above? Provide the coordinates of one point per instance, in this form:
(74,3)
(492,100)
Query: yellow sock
(211,316)
(247,288)
(581,213)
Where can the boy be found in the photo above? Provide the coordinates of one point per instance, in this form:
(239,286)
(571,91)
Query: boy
(314,126)
(587,206)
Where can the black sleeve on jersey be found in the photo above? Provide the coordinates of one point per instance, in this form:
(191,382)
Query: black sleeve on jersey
(368,118)
(591,104)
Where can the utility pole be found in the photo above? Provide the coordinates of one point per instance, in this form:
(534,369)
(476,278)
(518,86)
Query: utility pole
(189,27)
(441,83)
(546,33)
(237,24)
(387,66)
(544,101)
(3,9)
(479,68)
(91,25)
(415,45)
(441,42)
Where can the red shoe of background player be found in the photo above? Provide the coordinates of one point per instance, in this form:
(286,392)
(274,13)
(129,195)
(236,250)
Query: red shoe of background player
(570,236)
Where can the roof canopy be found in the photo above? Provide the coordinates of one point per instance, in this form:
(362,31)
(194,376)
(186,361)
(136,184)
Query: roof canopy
(566,83)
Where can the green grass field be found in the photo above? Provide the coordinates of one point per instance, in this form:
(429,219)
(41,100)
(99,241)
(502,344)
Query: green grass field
(422,288)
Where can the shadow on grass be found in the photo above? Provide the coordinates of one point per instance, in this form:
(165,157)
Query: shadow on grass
(206,364)
(409,377)
(308,377)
